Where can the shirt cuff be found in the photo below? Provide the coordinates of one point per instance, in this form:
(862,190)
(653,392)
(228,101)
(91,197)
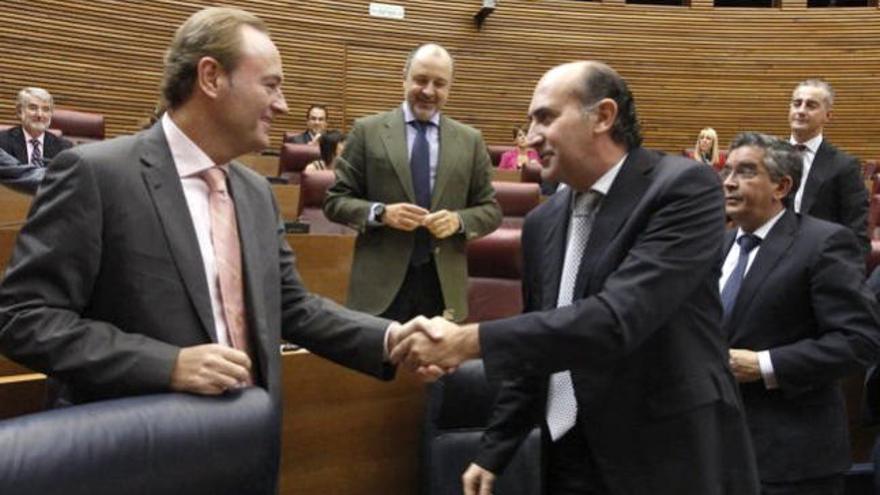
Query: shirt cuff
(461,229)
(767,372)
(386,351)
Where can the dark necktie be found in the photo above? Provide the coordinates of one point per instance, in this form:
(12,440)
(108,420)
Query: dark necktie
(800,147)
(420,167)
(36,154)
(746,242)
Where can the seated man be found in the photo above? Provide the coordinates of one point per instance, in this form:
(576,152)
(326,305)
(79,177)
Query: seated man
(316,124)
(798,318)
(29,142)
(19,176)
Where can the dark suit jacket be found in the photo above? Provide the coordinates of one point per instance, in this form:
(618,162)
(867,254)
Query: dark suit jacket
(304,138)
(804,300)
(12,142)
(106,283)
(835,191)
(375,168)
(19,176)
(657,402)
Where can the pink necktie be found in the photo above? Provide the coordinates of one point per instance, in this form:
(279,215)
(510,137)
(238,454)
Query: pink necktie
(227,252)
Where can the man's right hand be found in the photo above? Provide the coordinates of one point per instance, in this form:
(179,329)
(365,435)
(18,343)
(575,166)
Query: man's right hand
(404,216)
(209,369)
(477,481)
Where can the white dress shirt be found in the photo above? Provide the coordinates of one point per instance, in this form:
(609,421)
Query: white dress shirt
(809,155)
(190,161)
(729,264)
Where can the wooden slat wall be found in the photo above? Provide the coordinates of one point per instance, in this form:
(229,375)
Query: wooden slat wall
(689,67)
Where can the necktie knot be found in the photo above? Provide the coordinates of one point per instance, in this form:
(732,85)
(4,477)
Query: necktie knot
(35,143)
(584,203)
(801,147)
(422,125)
(215,177)
(747,242)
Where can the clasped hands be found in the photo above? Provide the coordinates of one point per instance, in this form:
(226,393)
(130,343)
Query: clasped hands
(408,217)
(432,347)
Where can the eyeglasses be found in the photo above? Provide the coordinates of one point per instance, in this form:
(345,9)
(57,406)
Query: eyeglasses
(741,173)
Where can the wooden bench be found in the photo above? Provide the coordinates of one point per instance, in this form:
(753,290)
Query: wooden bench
(266,165)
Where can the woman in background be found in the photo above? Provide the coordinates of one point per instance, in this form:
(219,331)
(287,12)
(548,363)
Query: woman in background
(706,149)
(331,144)
(516,159)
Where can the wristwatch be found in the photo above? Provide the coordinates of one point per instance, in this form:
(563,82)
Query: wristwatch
(379,212)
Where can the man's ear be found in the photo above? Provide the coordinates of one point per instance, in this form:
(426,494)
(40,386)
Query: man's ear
(783,187)
(210,75)
(606,114)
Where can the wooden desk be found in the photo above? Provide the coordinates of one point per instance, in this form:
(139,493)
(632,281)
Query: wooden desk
(14,206)
(287,196)
(324,262)
(506,175)
(345,433)
(266,165)
(8,235)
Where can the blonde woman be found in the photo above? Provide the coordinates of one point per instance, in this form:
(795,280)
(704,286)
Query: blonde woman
(706,149)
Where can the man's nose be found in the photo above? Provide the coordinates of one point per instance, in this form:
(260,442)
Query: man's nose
(280,104)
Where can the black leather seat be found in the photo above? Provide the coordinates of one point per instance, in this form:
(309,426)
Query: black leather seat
(147,445)
(458,409)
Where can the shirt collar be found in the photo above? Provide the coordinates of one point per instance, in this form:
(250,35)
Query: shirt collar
(812,144)
(762,231)
(603,185)
(409,116)
(28,137)
(189,159)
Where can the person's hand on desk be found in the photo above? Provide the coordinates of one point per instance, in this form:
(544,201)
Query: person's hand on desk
(404,216)
(209,369)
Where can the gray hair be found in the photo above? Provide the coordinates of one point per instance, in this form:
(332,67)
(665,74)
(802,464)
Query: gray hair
(38,93)
(821,84)
(781,159)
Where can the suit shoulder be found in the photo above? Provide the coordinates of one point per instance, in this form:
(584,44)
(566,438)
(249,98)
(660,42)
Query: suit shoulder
(839,155)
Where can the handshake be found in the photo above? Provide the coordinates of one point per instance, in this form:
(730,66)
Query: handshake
(432,347)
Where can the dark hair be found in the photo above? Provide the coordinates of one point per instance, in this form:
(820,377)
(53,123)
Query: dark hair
(320,107)
(780,159)
(601,81)
(519,128)
(329,143)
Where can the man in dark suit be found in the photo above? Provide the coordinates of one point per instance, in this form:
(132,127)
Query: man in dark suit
(129,276)
(620,352)
(316,124)
(19,176)
(798,316)
(416,185)
(831,187)
(29,142)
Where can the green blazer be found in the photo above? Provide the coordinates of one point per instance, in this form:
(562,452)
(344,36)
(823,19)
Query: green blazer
(374,167)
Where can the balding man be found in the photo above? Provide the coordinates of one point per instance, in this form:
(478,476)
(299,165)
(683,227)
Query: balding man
(416,185)
(619,355)
(29,142)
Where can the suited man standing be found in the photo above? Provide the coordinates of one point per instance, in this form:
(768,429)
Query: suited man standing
(798,317)
(29,142)
(416,185)
(619,353)
(316,124)
(831,187)
(169,269)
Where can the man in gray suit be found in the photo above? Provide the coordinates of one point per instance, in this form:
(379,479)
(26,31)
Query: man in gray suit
(139,293)
(19,176)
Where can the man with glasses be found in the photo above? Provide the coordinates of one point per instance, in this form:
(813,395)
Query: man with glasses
(798,318)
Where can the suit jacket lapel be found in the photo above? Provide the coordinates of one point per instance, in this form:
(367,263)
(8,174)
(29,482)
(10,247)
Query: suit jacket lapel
(394,140)
(252,262)
(777,242)
(166,192)
(449,156)
(624,195)
(818,173)
(555,237)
